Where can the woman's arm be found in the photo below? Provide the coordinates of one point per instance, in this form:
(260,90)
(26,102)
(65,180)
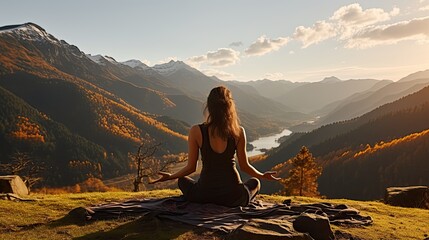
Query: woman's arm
(244,164)
(191,165)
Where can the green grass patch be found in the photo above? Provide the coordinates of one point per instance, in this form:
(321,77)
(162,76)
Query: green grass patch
(45,218)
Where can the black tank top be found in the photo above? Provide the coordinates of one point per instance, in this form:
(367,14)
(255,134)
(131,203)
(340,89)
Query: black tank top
(219,181)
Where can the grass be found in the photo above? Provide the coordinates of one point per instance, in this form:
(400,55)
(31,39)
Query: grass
(46,218)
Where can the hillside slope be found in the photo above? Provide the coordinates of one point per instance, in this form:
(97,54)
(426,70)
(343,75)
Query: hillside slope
(398,162)
(392,121)
(37,69)
(27,130)
(26,48)
(313,96)
(363,103)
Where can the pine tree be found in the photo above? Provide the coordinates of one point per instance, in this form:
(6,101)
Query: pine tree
(302,179)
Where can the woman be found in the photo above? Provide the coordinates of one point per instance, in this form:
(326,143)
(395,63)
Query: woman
(218,139)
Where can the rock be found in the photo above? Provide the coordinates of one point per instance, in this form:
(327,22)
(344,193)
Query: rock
(414,196)
(317,226)
(267,229)
(13,184)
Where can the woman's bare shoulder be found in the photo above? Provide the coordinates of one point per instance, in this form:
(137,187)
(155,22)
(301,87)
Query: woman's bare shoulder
(197,126)
(242,131)
(195,130)
(242,134)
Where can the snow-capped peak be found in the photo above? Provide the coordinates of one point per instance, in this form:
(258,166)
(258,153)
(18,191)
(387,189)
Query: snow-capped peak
(29,31)
(101,59)
(134,63)
(171,67)
(96,58)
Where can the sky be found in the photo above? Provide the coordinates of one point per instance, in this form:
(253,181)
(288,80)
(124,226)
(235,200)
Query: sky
(296,40)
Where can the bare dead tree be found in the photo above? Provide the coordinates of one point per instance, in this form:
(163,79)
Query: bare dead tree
(142,161)
(147,165)
(19,162)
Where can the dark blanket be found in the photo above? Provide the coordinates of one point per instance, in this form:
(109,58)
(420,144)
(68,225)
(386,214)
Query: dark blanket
(259,220)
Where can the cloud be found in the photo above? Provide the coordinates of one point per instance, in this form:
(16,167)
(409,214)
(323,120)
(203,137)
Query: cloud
(344,23)
(424,8)
(354,15)
(198,59)
(274,76)
(352,18)
(264,45)
(220,58)
(236,44)
(220,74)
(415,29)
(320,31)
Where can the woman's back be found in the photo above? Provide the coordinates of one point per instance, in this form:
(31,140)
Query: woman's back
(218,167)
(219,181)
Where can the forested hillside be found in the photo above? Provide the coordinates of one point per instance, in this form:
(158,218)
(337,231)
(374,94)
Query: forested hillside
(69,122)
(366,171)
(49,143)
(391,123)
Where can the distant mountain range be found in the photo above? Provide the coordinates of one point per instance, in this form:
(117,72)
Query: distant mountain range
(67,107)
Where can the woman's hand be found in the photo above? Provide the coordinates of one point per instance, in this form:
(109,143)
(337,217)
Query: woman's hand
(269,175)
(164,177)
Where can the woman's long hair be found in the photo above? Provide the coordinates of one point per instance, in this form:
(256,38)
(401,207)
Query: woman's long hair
(222,116)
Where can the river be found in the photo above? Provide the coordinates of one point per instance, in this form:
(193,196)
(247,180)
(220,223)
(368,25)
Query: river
(267,142)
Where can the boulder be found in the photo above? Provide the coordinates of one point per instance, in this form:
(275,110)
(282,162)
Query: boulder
(413,196)
(317,226)
(13,184)
(267,229)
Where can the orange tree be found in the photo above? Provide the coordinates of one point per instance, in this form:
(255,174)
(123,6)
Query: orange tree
(303,174)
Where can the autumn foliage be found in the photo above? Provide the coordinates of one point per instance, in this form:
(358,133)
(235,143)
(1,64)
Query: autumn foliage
(303,174)
(27,130)
(385,145)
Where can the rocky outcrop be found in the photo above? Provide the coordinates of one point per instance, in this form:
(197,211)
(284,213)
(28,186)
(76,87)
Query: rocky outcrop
(413,196)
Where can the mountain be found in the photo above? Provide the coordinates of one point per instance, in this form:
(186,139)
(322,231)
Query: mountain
(355,97)
(133,63)
(25,129)
(414,76)
(339,143)
(149,94)
(313,96)
(331,79)
(268,88)
(364,102)
(196,84)
(89,99)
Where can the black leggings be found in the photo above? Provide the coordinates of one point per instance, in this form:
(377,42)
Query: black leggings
(253,186)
